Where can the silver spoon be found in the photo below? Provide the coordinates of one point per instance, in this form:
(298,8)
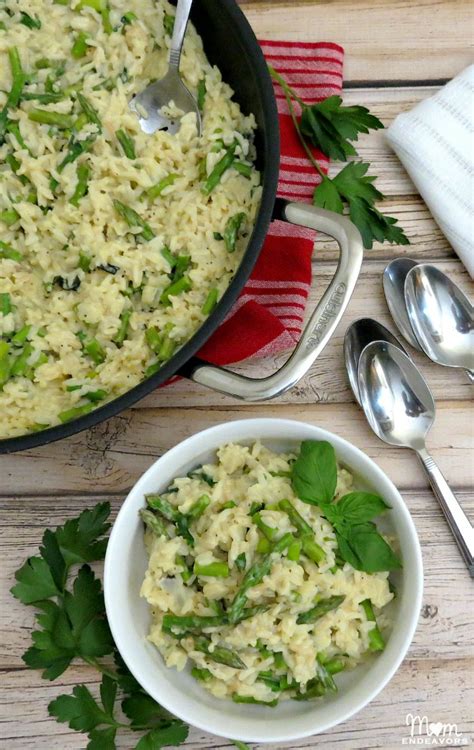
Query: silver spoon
(394,288)
(400,409)
(441,316)
(170,88)
(360,333)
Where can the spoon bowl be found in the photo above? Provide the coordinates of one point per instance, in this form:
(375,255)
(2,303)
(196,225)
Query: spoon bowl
(396,399)
(394,288)
(441,316)
(400,409)
(360,333)
(150,104)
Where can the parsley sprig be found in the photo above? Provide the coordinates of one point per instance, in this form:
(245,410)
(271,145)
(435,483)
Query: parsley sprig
(332,127)
(314,480)
(72,624)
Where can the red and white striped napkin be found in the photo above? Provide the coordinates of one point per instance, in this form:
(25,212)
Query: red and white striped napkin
(268,316)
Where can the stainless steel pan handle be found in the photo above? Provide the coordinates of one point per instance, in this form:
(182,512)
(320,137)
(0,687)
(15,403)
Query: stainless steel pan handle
(321,324)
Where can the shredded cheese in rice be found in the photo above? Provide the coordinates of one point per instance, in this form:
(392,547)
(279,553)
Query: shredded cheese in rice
(79,270)
(241,477)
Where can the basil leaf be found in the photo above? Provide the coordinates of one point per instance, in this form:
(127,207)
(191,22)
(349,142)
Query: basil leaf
(332,513)
(314,473)
(370,547)
(359,507)
(347,553)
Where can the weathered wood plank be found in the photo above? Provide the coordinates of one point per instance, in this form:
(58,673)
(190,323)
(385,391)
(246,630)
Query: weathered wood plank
(326,381)
(406,40)
(437,688)
(112,456)
(444,630)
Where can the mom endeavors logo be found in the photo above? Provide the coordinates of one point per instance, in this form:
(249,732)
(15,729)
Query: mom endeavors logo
(432,733)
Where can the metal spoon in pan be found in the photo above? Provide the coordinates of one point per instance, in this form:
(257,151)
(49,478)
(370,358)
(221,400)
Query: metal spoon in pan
(394,288)
(400,409)
(360,333)
(170,88)
(441,316)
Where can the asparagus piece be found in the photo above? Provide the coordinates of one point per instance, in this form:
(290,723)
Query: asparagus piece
(90,112)
(83,174)
(79,48)
(186,573)
(320,609)
(276,682)
(175,288)
(168,24)
(155,190)
(263,545)
(201,94)
(334,665)
(134,220)
(128,18)
(4,362)
(20,337)
(121,334)
(197,509)
(155,502)
(7,251)
(127,144)
(255,575)
(305,533)
(215,569)
(222,166)
(245,169)
(102,8)
(75,149)
(249,699)
(29,21)
(9,216)
(75,412)
(376,641)
(95,351)
(5,303)
(296,519)
(294,550)
(241,561)
(153,522)
(211,301)
(18,82)
(20,363)
(191,622)
(50,117)
(97,395)
(232,229)
(201,674)
(187,623)
(312,550)
(219,654)
(267,531)
(227,505)
(325,678)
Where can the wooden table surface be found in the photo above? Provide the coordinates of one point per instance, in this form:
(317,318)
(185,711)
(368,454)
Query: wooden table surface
(397,53)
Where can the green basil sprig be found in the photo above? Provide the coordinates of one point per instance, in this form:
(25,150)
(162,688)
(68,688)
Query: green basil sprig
(314,479)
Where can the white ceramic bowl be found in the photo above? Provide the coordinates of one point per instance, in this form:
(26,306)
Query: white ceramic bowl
(129,619)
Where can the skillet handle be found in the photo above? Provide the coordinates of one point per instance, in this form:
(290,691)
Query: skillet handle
(321,324)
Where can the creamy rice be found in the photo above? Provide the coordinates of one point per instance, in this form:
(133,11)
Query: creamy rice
(114,272)
(241,477)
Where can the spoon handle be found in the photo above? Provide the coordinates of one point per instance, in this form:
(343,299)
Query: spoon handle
(470,375)
(183,9)
(459,524)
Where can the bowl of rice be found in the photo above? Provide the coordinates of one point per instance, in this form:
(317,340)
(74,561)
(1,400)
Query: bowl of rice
(263,580)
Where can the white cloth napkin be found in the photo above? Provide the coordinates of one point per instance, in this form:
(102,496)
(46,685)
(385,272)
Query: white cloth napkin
(435,143)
